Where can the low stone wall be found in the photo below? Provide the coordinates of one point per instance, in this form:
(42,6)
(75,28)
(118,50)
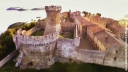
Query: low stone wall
(7,58)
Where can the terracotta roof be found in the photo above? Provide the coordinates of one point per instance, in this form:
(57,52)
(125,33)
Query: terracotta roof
(83,21)
(117,27)
(95,29)
(106,20)
(111,41)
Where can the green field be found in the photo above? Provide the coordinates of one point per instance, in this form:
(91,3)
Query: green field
(63,67)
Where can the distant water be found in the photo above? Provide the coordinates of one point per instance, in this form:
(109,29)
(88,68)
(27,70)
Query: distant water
(10,17)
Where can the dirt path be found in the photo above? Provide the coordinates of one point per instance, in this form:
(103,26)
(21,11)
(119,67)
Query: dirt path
(86,44)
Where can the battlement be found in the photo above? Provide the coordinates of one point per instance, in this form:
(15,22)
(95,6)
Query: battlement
(53,8)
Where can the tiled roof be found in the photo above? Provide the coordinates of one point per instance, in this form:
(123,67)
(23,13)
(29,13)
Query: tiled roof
(83,21)
(117,27)
(95,29)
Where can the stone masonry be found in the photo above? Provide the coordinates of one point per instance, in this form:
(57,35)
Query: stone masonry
(43,51)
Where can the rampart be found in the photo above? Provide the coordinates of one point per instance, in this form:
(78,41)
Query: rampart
(66,49)
(37,39)
(115,56)
(90,56)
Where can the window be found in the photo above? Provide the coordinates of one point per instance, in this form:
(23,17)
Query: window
(114,58)
(116,51)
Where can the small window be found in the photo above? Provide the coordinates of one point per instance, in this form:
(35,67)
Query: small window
(114,58)
(116,51)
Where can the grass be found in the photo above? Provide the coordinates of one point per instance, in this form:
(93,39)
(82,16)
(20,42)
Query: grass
(63,67)
(66,35)
(38,33)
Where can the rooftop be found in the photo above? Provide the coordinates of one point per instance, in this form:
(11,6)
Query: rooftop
(83,21)
(95,29)
(115,25)
(106,39)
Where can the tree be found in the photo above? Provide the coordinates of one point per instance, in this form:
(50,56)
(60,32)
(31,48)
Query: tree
(85,13)
(98,14)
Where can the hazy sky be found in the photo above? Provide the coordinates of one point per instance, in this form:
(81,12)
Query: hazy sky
(109,8)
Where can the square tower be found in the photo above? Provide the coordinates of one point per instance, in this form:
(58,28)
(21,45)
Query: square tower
(53,19)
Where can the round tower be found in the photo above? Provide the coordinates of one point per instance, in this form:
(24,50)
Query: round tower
(53,19)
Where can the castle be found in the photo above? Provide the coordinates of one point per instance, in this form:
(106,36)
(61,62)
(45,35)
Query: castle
(43,51)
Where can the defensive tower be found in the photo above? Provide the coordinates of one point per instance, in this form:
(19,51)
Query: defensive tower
(53,19)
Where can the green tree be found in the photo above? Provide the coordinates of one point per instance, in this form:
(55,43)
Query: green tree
(98,14)
(85,13)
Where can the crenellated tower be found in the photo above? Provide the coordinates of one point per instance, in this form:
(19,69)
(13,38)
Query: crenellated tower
(53,19)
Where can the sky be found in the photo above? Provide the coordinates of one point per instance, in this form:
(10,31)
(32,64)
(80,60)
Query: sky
(115,9)
(109,8)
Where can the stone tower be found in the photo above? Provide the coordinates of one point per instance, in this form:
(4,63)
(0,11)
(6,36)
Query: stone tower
(53,19)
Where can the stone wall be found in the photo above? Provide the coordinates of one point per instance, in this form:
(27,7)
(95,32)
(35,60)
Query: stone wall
(41,24)
(115,57)
(65,48)
(41,56)
(90,56)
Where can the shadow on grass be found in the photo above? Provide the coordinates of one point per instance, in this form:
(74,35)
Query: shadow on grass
(63,67)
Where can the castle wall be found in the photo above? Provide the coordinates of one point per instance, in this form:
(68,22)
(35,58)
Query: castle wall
(40,55)
(37,39)
(41,24)
(115,57)
(90,56)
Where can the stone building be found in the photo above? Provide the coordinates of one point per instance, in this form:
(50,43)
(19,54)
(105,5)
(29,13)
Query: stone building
(43,51)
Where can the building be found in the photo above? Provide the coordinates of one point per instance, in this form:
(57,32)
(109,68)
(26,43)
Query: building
(43,51)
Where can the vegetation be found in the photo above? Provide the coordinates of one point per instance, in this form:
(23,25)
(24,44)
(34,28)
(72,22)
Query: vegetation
(122,22)
(6,42)
(38,33)
(63,67)
(85,13)
(66,35)
(98,14)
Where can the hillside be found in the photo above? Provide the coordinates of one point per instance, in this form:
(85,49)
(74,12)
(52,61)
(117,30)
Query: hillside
(6,43)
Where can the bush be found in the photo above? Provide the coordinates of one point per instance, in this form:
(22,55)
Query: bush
(6,42)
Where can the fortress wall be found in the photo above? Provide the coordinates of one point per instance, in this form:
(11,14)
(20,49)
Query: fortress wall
(90,56)
(41,24)
(67,27)
(40,55)
(46,39)
(115,57)
(65,48)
